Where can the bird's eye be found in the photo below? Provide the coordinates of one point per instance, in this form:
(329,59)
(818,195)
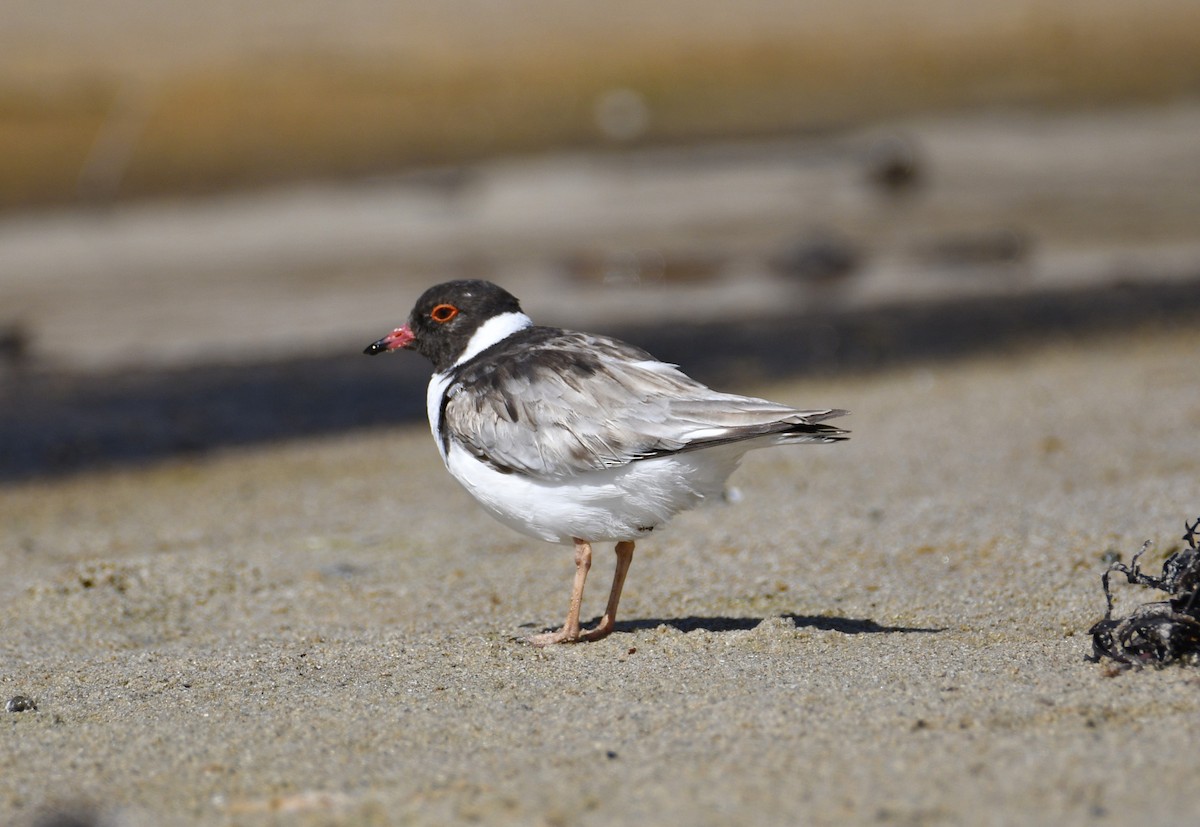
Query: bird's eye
(443,313)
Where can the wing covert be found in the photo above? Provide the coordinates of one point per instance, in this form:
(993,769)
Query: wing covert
(553,405)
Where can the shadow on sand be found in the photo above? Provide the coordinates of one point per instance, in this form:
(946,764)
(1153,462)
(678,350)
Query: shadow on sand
(845,625)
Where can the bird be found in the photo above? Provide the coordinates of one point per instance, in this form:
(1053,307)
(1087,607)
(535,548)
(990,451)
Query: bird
(575,438)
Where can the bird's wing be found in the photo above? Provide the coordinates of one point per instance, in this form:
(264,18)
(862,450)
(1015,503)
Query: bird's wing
(574,402)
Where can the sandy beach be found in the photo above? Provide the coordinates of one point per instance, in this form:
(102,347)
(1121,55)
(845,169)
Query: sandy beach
(890,630)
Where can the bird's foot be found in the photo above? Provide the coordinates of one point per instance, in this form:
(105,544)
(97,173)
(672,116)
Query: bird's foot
(603,629)
(563,635)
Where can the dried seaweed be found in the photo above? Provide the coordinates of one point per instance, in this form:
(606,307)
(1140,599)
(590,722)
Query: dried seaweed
(1161,632)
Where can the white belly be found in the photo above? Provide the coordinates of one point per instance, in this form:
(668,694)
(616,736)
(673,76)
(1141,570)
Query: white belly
(616,504)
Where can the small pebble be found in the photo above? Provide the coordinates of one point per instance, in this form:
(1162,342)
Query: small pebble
(21,703)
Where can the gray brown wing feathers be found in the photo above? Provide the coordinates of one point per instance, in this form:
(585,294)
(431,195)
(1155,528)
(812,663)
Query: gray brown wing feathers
(554,404)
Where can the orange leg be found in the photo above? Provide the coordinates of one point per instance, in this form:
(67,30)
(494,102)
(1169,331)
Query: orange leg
(605,626)
(569,633)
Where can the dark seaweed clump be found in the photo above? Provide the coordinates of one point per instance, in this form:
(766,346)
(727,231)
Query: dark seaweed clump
(1161,632)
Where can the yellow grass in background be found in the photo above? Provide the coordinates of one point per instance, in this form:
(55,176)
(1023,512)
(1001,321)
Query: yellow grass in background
(109,121)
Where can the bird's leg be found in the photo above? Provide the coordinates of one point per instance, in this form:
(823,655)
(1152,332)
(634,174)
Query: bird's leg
(569,633)
(605,626)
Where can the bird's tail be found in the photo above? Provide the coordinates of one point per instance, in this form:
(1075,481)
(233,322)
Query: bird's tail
(812,429)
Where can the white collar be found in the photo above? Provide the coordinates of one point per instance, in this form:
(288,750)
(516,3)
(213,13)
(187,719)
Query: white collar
(494,330)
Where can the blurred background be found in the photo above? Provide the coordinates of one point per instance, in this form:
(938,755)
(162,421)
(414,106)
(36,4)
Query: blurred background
(207,210)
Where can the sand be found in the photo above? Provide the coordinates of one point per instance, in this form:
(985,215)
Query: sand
(889,631)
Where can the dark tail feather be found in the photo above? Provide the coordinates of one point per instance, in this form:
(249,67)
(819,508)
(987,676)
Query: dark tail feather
(811,431)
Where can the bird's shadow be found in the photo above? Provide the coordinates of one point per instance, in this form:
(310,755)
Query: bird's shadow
(845,625)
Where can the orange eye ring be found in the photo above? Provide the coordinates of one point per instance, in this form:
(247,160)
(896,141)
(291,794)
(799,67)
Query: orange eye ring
(443,313)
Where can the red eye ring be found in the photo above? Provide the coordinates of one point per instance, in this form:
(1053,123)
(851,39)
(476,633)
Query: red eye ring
(443,313)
